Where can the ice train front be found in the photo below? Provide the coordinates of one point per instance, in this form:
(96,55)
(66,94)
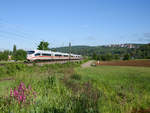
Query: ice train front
(30,55)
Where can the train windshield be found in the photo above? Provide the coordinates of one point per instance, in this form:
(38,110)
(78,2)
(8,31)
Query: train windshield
(30,52)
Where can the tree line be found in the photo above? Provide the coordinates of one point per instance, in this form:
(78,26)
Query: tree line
(105,53)
(20,54)
(143,52)
(94,52)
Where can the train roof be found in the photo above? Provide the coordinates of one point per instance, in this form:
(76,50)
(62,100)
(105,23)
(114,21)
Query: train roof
(49,51)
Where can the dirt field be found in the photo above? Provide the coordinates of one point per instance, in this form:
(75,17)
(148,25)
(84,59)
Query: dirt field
(143,63)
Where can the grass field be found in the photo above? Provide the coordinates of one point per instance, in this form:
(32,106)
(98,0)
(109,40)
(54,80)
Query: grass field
(123,89)
(68,88)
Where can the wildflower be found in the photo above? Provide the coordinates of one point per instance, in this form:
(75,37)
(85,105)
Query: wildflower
(20,98)
(34,93)
(23,94)
(15,93)
(11,92)
(24,98)
(29,87)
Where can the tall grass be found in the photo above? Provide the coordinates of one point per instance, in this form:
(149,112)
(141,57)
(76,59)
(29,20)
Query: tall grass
(123,89)
(50,84)
(68,88)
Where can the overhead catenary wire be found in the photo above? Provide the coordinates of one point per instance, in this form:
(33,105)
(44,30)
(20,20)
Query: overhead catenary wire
(6,34)
(11,30)
(13,37)
(12,26)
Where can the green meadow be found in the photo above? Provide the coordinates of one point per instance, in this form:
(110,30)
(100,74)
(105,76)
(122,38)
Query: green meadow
(68,88)
(123,89)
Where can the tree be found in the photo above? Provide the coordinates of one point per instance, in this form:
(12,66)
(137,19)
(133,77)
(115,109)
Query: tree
(108,56)
(143,52)
(20,55)
(4,55)
(14,49)
(116,57)
(103,57)
(43,46)
(94,56)
(126,57)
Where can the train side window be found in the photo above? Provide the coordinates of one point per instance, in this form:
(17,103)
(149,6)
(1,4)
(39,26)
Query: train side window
(45,54)
(30,52)
(37,54)
(58,55)
(65,55)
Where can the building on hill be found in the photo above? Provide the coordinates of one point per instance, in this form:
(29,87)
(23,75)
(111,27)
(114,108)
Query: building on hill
(122,45)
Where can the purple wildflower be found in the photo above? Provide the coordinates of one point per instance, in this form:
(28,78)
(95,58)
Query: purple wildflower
(11,92)
(29,87)
(23,94)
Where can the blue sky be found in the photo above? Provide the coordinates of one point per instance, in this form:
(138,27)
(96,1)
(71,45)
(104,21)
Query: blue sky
(81,22)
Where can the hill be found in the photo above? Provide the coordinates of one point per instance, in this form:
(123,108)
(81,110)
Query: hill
(90,50)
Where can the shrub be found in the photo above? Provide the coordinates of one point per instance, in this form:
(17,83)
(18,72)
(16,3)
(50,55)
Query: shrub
(76,77)
(12,68)
(2,71)
(126,57)
(4,55)
(116,57)
(20,55)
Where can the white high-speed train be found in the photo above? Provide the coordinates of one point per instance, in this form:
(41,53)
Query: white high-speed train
(36,55)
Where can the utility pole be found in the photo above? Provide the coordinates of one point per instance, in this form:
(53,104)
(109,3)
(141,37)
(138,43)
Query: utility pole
(69,51)
(42,45)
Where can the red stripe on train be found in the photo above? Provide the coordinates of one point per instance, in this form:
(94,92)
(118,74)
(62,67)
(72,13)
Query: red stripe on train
(50,56)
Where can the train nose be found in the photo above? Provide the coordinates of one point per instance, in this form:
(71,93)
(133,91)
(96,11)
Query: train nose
(29,57)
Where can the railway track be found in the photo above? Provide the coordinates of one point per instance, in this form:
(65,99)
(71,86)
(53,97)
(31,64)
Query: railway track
(41,63)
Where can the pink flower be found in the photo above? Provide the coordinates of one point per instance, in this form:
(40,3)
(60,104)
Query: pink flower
(11,92)
(23,94)
(29,87)
(24,98)
(20,98)
(15,93)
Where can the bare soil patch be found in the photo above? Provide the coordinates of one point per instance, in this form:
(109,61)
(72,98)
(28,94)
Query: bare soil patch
(87,64)
(141,111)
(142,63)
